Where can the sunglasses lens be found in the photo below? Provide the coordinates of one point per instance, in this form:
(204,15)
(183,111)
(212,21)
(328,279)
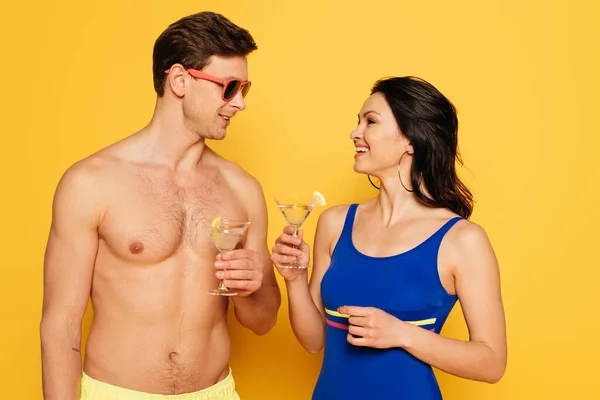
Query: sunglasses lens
(246,89)
(231,89)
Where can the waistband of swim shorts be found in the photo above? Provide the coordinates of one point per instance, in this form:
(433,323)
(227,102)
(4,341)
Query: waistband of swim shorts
(92,389)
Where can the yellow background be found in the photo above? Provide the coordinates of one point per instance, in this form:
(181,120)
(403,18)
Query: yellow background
(76,76)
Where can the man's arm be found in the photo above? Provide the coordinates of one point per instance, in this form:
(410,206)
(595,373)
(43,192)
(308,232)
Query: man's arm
(258,310)
(68,268)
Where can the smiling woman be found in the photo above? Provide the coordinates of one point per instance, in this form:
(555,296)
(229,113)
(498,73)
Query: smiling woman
(433,138)
(388,272)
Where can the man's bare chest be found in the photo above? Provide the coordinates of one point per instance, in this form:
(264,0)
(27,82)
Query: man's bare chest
(152,218)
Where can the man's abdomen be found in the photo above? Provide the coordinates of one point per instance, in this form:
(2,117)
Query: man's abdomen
(156,329)
(157,359)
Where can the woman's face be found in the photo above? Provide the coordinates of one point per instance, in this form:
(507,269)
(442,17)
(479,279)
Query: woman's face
(378,140)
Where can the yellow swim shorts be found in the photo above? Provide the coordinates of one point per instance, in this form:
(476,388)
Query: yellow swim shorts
(92,389)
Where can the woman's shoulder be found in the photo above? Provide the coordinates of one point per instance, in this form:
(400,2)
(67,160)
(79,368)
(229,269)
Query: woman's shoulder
(463,231)
(334,215)
(467,234)
(466,242)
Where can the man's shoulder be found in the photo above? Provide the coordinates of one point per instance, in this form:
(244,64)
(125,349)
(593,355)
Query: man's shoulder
(89,167)
(81,189)
(91,171)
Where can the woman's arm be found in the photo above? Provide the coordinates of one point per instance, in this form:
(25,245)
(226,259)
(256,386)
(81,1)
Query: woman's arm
(477,278)
(304,299)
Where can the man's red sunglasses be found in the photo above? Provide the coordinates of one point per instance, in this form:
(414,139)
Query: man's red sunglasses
(231,86)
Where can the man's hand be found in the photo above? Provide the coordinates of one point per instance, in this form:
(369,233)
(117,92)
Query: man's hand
(241,270)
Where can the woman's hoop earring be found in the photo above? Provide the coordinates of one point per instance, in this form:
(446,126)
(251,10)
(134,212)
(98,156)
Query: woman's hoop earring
(369,177)
(399,177)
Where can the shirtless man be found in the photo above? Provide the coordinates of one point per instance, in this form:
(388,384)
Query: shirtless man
(126,231)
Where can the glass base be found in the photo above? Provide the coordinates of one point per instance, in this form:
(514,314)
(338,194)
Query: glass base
(294,266)
(222,292)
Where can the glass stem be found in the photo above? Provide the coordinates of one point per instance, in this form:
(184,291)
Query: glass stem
(294,246)
(222,286)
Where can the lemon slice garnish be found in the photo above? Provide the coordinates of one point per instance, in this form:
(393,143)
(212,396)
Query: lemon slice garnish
(319,199)
(215,222)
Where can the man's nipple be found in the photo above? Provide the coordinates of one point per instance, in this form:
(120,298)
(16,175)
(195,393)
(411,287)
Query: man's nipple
(136,247)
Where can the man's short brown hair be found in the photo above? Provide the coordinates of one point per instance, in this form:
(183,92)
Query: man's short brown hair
(192,40)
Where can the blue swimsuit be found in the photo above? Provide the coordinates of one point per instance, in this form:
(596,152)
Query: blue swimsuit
(406,286)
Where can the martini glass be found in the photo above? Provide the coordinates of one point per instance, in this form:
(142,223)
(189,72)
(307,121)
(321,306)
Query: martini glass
(296,209)
(225,234)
